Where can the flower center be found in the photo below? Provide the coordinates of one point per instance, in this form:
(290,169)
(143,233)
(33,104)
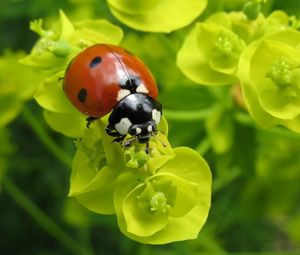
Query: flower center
(223,45)
(280,73)
(158,202)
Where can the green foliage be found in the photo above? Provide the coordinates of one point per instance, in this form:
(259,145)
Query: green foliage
(267,71)
(157,16)
(6,150)
(225,69)
(17,84)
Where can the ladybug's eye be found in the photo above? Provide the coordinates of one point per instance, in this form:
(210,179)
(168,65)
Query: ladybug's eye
(95,62)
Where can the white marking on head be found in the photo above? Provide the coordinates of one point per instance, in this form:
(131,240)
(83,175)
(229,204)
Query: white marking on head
(123,126)
(138,130)
(149,128)
(142,89)
(122,93)
(156,115)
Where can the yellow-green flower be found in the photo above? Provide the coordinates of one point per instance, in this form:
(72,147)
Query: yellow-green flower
(163,199)
(269,71)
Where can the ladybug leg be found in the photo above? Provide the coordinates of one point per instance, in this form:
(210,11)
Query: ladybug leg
(89,121)
(128,142)
(60,79)
(112,132)
(147,148)
(119,139)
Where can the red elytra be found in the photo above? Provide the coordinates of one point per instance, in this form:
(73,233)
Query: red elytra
(94,78)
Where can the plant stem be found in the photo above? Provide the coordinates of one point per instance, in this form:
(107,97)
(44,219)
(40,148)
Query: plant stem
(40,217)
(45,138)
(84,235)
(185,116)
(203,146)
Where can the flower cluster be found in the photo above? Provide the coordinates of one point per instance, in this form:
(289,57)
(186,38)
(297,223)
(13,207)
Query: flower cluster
(162,199)
(272,93)
(259,53)
(158,197)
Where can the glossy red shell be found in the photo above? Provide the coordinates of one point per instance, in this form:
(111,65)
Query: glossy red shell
(94,90)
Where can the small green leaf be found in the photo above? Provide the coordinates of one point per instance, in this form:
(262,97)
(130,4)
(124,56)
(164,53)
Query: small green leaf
(252,9)
(65,26)
(92,180)
(97,196)
(70,124)
(10,107)
(18,83)
(97,31)
(152,16)
(50,95)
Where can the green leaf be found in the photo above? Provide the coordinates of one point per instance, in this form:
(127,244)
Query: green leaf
(113,151)
(152,16)
(65,26)
(17,84)
(97,31)
(134,6)
(97,196)
(92,180)
(51,97)
(70,124)
(10,107)
(252,9)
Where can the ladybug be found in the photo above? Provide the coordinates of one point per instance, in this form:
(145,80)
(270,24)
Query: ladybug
(106,78)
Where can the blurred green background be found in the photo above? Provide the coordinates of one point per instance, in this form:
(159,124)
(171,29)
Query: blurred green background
(256,183)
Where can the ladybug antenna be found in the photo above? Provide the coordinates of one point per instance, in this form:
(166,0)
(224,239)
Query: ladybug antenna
(60,79)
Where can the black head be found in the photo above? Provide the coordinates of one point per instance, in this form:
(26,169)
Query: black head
(144,131)
(137,115)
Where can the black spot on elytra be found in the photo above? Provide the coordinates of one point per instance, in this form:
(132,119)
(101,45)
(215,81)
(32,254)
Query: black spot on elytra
(95,62)
(130,84)
(82,95)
